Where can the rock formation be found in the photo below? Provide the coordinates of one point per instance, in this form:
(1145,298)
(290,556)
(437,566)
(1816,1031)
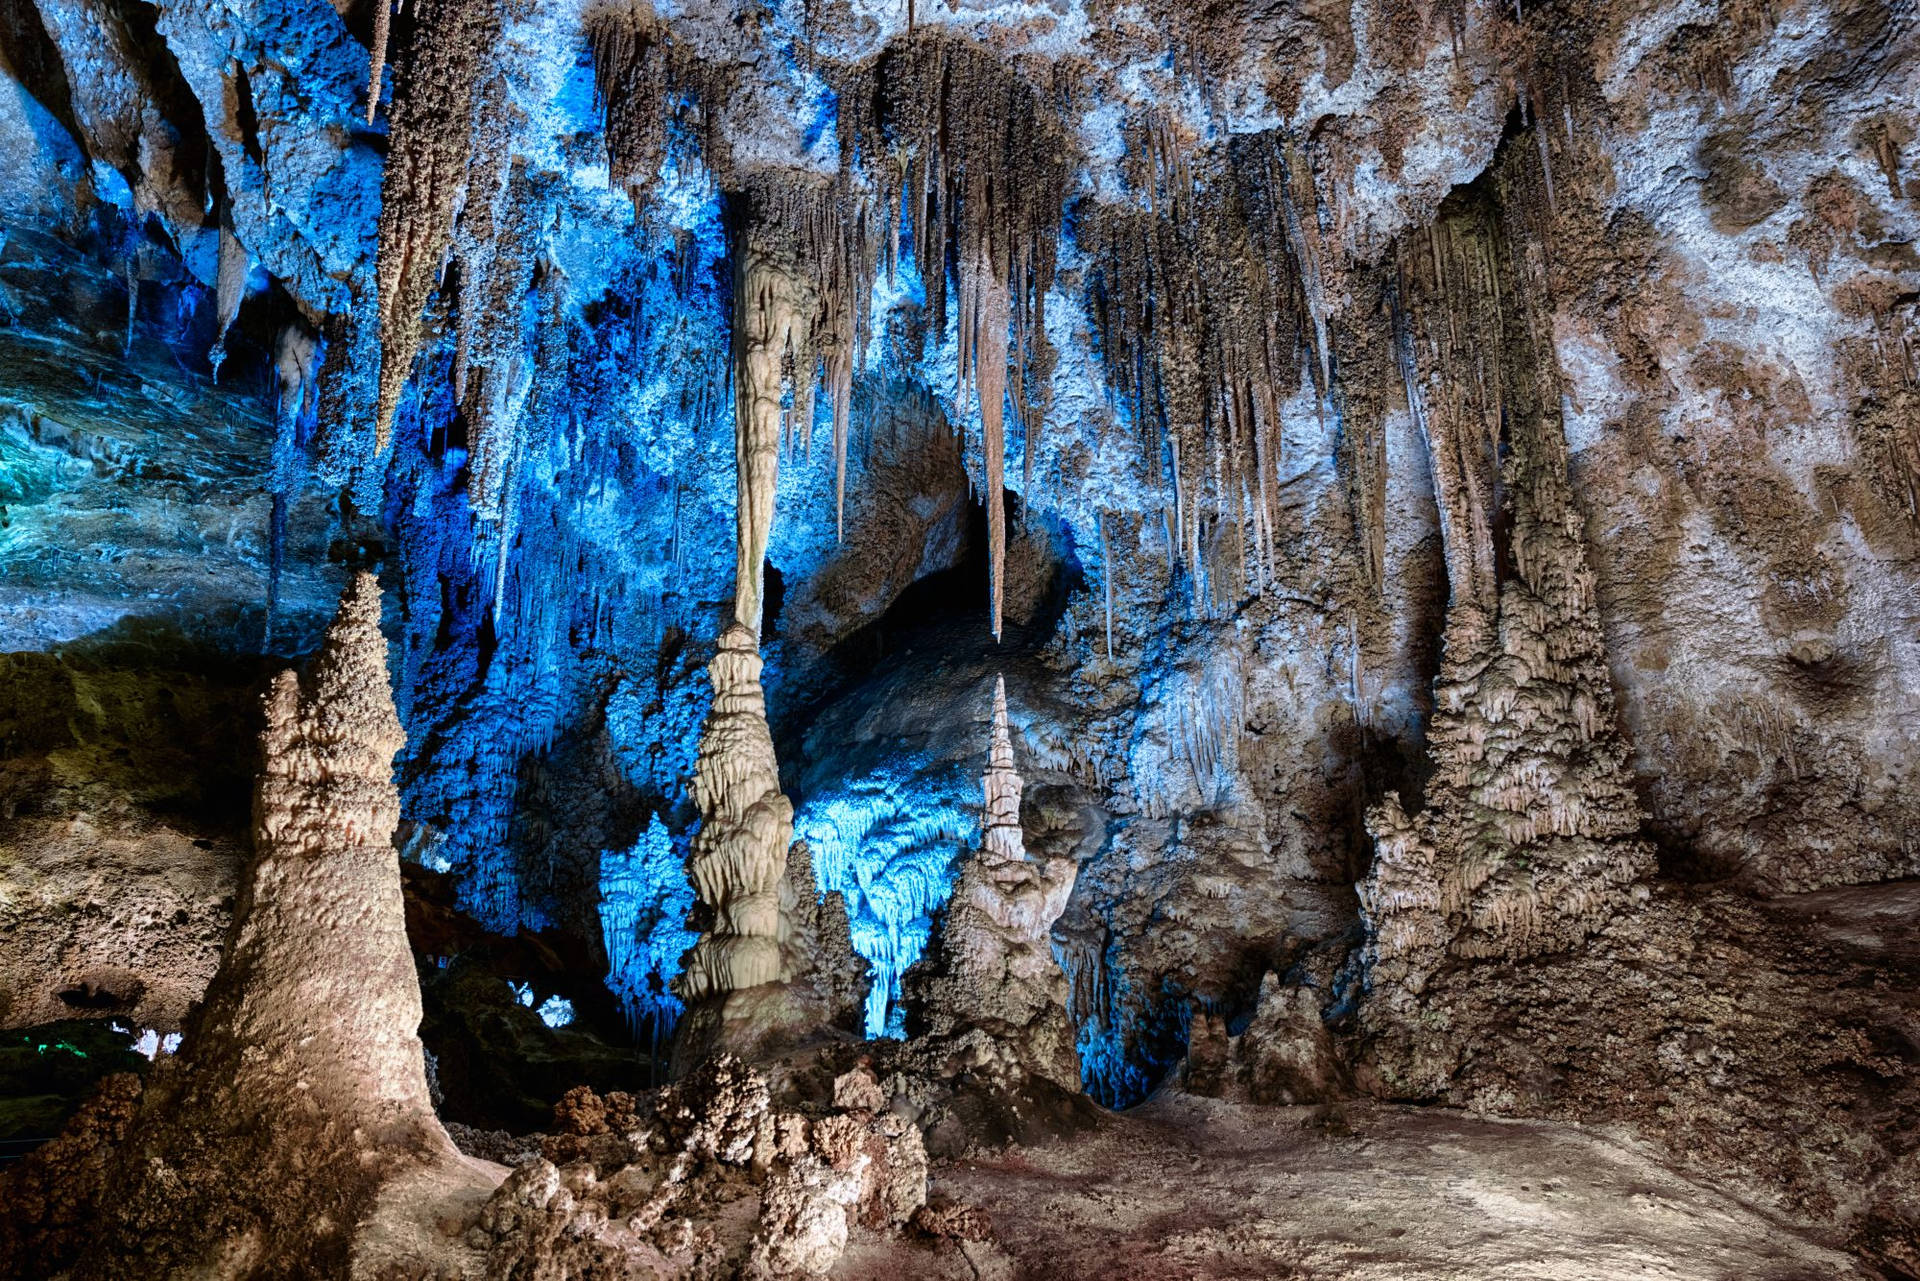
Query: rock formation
(299,1100)
(1529,837)
(739,855)
(1454,450)
(1284,1055)
(706,1178)
(993,972)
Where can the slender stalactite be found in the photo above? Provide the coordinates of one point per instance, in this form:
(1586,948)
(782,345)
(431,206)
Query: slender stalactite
(230,286)
(377,54)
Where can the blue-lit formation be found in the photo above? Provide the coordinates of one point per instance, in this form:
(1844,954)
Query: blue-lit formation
(645,900)
(551,632)
(890,842)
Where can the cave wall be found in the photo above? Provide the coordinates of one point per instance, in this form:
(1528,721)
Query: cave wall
(481,341)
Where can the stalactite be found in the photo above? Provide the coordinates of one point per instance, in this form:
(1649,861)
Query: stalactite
(433,135)
(377,55)
(984,313)
(293,360)
(230,283)
(773,310)
(1106,574)
(494,240)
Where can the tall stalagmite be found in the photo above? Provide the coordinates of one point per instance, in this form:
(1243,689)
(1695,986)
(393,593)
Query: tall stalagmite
(994,985)
(300,1094)
(1529,839)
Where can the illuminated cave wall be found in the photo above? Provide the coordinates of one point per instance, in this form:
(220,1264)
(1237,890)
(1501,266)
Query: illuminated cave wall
(480,338)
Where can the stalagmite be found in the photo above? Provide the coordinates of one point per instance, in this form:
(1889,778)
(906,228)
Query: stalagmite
(994,972)
(300,1102)
(1529,839)
(740,851)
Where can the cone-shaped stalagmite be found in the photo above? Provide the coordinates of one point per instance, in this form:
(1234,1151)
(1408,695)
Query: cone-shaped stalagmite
(300,1093)
(995,973)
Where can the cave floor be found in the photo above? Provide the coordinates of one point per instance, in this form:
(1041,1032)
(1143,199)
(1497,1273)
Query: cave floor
(1183,1187)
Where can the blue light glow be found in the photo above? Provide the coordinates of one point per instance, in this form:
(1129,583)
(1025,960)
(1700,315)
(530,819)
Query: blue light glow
(645,900)
(890,843)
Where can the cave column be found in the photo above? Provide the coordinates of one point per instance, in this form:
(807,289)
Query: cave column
(739,855)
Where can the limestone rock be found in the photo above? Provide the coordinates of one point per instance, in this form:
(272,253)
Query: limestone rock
(994,967)
(299,1099)
(1285,1055)
(703,1172)
(740,852)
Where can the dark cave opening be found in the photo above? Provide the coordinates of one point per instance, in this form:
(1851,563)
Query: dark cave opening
(942,615)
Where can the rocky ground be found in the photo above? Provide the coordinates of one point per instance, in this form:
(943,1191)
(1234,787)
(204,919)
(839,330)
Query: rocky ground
(1196,1188)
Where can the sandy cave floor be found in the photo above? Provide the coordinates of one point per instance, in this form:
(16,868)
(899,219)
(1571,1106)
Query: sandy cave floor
(1195,1188)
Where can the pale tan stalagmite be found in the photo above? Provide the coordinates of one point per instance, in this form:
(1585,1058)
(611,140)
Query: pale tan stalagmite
(995,972)
(299,1099)
(740,852)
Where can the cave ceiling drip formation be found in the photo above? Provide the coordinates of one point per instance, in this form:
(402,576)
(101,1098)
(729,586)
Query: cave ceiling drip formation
(958,628)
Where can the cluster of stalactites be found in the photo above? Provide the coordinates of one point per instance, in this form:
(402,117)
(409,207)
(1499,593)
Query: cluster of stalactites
(1530,836)
(1211,311)
(444,80)
(739,854)
(962,149)
(650,86)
